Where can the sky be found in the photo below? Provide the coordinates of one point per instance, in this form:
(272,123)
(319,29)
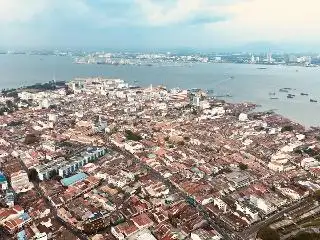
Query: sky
(159,24)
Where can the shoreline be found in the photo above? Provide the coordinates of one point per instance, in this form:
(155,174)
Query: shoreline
(40,87)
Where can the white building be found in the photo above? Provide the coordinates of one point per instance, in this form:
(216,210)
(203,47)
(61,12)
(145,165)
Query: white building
(20,182)
(133,147)
(248,210)
(243,117)
(45,103)
(77,162)
(201,234)
(52,117)
(309,162)
(196,101)
(262,204)
(220,204)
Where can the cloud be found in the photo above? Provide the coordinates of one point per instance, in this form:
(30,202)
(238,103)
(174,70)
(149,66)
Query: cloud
(162,13)
(108,12)
(22,10)
(186,22)
(270,20)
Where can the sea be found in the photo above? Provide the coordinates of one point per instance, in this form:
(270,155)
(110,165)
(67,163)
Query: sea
(241,82)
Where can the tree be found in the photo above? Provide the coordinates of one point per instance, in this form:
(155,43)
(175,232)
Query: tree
(186,138)
(287,128)
(306,236)
(33,175)
(317,195)
(31,138)
(268,233)
(132,136)
(15,123)
(10,104)
(243,166)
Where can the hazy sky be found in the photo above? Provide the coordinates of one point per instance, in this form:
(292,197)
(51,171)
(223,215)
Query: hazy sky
(157,23)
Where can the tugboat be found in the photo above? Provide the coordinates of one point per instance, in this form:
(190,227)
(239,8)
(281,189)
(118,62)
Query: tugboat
(312,100)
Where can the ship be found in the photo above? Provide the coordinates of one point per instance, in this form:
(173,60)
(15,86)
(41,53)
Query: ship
(304,94)
(313,100)
(274,98)
(283,90)
(290,96)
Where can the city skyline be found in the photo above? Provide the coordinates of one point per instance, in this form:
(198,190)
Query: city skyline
(153,24)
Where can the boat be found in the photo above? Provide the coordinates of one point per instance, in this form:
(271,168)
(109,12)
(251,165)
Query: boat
(304,94)
(209,91)
(224,96)
(313,100)
(291,96)
(274,98)
(134,86)
(261,68)
(283,90)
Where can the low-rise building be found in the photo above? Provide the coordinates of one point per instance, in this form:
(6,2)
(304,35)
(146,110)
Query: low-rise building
(20,182)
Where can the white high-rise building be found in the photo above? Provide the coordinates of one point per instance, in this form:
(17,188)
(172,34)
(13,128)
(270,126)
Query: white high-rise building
(196,101)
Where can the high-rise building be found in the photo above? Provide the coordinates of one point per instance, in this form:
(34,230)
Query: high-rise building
(196,101)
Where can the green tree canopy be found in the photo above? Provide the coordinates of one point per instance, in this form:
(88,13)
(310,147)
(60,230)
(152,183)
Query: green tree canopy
(268,233)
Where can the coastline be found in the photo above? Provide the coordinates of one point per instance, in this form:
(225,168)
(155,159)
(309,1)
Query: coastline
(254,109)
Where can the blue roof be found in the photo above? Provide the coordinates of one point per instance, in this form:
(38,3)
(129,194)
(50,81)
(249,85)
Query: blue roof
(73,179)
(25,216)
(21,235)
(2,177)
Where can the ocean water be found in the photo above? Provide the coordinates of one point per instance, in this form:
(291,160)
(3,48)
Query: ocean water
(245,83)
